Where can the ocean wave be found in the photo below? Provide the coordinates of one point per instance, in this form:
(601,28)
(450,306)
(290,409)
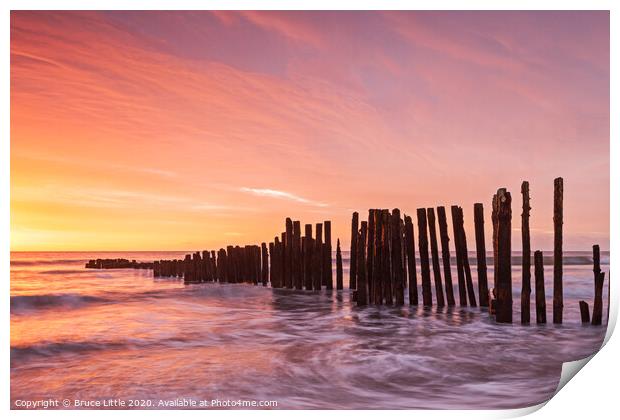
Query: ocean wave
(47,349)
(28,303)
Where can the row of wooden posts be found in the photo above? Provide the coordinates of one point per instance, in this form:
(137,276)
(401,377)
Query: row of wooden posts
(383,262)
(290,261)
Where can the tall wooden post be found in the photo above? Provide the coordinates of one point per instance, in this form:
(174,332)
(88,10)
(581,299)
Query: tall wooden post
(288,254)
(539,278)
(558,221)
(503,311)
(481,254)
(339,285)
(445,254)
(397,263)
(388,279)
(297,263)
(377,265)
(370,256)
(353,251)
(318,252)
(411,265)
(427,294)
(526,286)
(465,256)
(327,258)
(264,264)
(270,263)
(460,266)
(362,286)
(599,277)
(432,230)
(494,221)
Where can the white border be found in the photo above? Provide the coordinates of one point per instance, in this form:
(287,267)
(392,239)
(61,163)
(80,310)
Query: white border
(592,395)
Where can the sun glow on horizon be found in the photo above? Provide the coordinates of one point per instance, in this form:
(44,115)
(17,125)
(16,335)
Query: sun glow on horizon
(193,130)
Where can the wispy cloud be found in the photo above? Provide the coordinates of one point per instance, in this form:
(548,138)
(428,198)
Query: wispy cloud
(267,192)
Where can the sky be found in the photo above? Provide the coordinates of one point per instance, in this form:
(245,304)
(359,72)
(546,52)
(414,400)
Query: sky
(195,130)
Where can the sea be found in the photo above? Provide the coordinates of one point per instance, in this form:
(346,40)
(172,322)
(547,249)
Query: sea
(119,338)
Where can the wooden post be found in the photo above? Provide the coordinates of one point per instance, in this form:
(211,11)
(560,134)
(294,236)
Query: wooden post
(539,278)
(318,262)
(465,256)
(309,260)
(377,265)
(397,262)
(503,308)
(362,286)
(411,266)
(481,255)
(297,270)
(494,221)
(308,257)
(432,230)
(265,263)
(585,312)
(271,272)
(427,294)
(459,256)
(327,268)
(276,263)
(526,285)
(370,256)
(599,277)
(338,266)
(386,242)
(353,251)
(288,254)
(445,254)
(558,220)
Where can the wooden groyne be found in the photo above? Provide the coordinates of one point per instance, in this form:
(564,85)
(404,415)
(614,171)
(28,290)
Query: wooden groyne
(383,264)
(110,263)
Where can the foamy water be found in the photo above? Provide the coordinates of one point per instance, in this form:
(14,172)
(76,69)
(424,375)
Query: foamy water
(104,334)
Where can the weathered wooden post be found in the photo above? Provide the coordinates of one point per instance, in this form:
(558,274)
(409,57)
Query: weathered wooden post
(297,270)
(318,251)
(370,255)
(494,221)
(445,254)
(264,263)
(599,278)
(271,271)
(558,220)
(288,254)
(327,268)
(338,266)
(377,265)
(386,242)
(539,278)
(353,251)
(427,296)
(308,256)
(411,265)
(397,263)
(585,312)
(466,268)
(526,286)
(503,309)
(362,288)
(481,255)
(460,270)
(432,230)
(309,269)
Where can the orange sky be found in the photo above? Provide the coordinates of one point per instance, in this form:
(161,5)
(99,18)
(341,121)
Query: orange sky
(193,130)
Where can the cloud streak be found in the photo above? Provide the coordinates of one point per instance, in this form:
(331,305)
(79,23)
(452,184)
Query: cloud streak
(267,192)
